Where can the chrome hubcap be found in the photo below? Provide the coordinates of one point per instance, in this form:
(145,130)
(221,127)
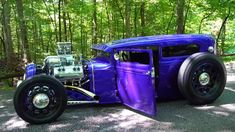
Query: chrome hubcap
(41,100)
(204,78)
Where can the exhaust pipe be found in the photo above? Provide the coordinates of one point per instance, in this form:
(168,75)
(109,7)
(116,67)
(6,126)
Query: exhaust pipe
(85,92)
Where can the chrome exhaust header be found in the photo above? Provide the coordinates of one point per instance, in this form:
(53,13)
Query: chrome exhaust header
(83,91)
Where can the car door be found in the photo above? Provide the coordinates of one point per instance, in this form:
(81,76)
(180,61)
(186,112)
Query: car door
(135,79)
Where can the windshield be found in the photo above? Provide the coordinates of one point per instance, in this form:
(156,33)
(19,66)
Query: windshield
(101,55)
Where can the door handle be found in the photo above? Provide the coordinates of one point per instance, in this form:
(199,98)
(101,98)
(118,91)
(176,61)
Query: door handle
(148,73)
(152,72)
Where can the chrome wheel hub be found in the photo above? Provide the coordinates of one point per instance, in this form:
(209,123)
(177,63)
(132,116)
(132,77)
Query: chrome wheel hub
(41,100)
(204,78)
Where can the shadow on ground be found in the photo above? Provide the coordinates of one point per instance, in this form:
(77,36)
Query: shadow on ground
(172,116)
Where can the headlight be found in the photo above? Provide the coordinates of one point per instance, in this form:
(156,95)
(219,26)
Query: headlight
(211,49)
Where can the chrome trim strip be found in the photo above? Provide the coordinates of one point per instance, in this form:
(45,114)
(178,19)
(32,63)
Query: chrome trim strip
(81,102)
(93,76)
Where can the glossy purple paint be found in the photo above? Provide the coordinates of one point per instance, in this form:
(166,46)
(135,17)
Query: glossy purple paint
(136,85)
(168,73)
(203,40)
(103,80)
(30,70)
(167,69)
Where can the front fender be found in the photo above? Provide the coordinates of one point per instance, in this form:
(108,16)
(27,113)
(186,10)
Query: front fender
(30,70)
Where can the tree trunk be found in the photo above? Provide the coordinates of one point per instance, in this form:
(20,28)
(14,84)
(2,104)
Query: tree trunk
(65,27)
(41,38)
(94,22)
(201,22)
(186,15)
(23,31)
(171,18)
(70,29)
(19,46)
(142,18)
(65,23)
(81,27)
(60,29)
(101,28)
(108,20)
(127,18)
(135,20)
(2,49)
(223,35)
(53,22)
(122,17)
(180,16)
(8,44)
(221,28)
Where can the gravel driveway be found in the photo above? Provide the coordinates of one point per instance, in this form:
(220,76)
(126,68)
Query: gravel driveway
(172,116)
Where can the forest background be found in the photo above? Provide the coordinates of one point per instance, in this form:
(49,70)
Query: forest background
(30,29)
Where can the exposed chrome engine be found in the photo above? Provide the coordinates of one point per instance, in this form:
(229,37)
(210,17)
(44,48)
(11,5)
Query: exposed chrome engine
(64,66)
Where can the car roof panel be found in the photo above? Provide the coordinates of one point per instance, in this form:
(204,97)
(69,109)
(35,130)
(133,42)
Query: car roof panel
(158,40)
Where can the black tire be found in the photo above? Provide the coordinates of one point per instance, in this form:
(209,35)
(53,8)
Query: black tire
(26,93)
(202,78)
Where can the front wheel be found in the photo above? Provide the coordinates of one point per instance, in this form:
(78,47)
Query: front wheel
(40,99)
(202,78)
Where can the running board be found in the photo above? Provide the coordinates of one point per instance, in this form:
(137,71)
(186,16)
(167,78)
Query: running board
(81,102)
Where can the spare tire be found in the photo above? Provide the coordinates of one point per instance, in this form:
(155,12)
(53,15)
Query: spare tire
(40,99)
(202,78)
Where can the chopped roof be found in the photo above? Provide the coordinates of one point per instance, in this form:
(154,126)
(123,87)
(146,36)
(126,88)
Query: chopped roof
(158,40)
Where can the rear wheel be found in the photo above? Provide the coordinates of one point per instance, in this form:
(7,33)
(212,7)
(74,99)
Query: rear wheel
(41,99)
(202,78)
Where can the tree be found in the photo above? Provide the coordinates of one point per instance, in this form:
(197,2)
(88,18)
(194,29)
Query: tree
(7,35)
(60,28)
(23,31)
(222,30)
(142,18)
(94,29)
(180,16)
(127,18)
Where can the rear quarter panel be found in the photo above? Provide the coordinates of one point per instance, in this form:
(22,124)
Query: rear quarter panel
(167,88)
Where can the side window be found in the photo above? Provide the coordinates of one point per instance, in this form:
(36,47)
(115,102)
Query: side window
(134,56)
(183,50)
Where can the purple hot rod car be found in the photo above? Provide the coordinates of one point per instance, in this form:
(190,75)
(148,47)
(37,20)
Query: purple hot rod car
(135,72)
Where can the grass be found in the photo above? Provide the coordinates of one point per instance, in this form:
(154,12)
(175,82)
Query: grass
(6,88)
(228,58)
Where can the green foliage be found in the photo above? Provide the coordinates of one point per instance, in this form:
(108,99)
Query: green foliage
(42,20)
(228,58)
(6,84)
(6,88)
